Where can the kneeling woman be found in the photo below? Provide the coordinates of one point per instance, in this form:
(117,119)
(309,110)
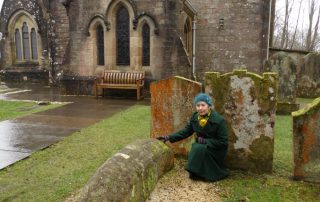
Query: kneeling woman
(206,158)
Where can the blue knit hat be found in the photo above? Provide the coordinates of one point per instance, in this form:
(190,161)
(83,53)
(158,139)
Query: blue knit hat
(204,98)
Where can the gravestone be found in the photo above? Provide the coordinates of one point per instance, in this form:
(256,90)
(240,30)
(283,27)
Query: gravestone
(247,101)
(129,175)
(309,76)
(306,142)
(286,68)
(172,107)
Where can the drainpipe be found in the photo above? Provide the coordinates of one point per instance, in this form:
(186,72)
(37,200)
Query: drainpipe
(194,49)
(269,28)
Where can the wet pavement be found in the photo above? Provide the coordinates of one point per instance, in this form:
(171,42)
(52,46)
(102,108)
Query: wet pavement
(20,137)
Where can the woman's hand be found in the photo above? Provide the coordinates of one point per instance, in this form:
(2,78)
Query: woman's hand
(163,138)
(201,140)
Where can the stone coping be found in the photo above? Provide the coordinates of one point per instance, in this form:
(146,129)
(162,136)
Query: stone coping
(311,106)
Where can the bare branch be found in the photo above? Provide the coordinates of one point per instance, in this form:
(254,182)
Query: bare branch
(295,30)
(315,32)
(285,26)
(309,34)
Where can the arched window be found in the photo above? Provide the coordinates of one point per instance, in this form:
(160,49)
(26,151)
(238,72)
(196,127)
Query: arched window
(100,45)
(25,38)
(34,47)
(25,41)
(187,36)
(146,45)
(123,36)
(18,44)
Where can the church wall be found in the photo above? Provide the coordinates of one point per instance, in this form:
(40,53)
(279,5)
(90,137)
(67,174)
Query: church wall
(240,41)
(13,14)
(60,32)
(10,8)
(167,56)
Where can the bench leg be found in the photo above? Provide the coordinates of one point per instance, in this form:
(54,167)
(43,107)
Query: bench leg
(138,93)
(143,92)
(96,93)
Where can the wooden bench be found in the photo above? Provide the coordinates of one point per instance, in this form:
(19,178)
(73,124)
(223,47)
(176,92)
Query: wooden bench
(114,79)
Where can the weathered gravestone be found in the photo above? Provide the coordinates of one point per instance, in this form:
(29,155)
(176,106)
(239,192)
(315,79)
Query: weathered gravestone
(309,76)
(172,107)
(129,175)
(286,68)
(248,103)
(306,142)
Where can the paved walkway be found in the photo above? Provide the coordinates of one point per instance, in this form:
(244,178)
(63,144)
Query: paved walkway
(20,137)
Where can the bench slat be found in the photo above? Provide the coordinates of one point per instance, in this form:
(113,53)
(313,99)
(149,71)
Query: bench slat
(122,80)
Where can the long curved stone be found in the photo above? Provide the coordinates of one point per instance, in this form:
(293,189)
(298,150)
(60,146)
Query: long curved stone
(131,174)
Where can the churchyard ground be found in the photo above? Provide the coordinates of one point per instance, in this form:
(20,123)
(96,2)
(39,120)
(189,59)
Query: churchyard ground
(58,172)
(14,109)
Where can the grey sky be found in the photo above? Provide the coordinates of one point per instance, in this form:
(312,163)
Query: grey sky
(280,6)
(303,19)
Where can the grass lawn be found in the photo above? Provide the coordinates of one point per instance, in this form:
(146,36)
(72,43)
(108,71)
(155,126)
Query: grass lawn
(61,170)
(14,109)
(56,173)
(304,100)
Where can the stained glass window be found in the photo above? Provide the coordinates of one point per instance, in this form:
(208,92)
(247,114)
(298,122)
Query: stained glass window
(187,36)
(18,44)
(34,47)
(100,45)
(123,36)
(146,45)
(25,38)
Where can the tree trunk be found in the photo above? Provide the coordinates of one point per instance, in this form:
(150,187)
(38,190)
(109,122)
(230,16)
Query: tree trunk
(309,34)
(295,30)
(315,33)
(285,26)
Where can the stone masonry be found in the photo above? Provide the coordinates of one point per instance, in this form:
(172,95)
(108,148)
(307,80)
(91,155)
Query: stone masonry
(286,68)
(240,41)
(9,69)
(247,101)
(309,76)
(172,107)
(306,142)
(228,34)
(131,174)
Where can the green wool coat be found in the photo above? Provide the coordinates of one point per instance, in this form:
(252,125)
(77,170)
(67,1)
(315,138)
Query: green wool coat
(206,160)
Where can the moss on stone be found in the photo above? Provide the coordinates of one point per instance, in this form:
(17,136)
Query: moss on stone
(185,79)
(150,182)
(130,179)
(286,107)
(312,167)
(267,81)
(264,91)
(262,154)
(309,108)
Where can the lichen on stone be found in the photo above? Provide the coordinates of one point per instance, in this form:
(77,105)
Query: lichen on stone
(314,105)
(248,103)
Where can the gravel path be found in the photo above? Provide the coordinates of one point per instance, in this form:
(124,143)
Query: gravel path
(176,186)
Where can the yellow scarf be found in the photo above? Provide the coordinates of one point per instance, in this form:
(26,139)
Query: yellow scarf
(203,119)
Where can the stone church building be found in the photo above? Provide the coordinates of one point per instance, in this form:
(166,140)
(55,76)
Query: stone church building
(70,42)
